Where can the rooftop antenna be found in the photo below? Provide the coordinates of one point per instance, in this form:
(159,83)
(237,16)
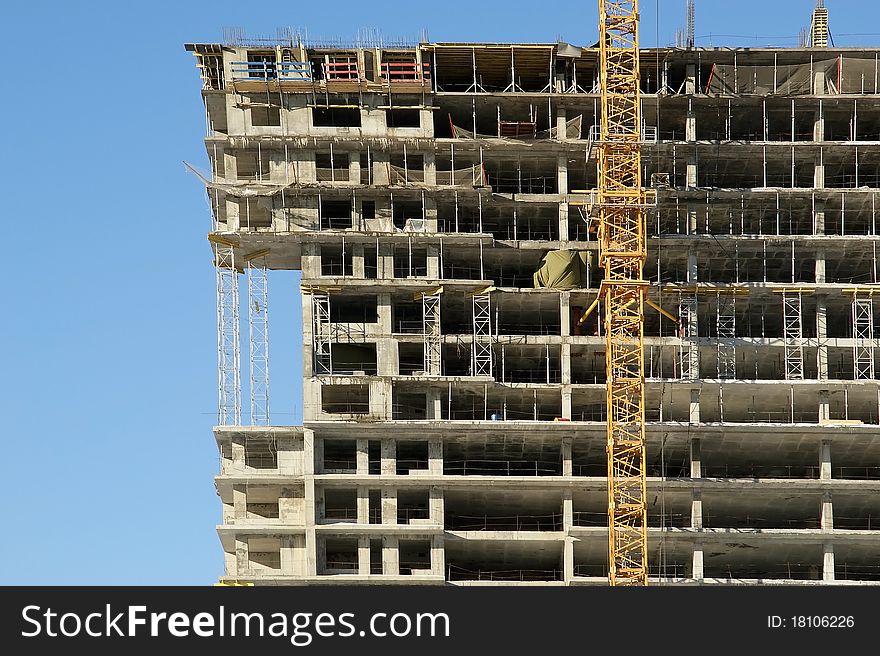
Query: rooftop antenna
(691,23)
(819,26)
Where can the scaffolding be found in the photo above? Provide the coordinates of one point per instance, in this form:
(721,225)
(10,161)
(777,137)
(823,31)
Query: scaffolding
(725,330)
(321,333)
(228,333)
(431,332)
(863,337)
(258,337)
(793,334)
(688,350)
(482,350)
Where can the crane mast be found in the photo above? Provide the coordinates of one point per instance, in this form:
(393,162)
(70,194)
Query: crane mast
(622,202)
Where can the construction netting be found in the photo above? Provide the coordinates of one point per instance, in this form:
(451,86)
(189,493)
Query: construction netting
(563,269)
(471,176)
(837,75)
(572,131)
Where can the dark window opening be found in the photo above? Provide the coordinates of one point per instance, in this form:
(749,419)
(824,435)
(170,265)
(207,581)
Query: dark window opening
(336,117)
(403,118)
(357,309)
(345,399)
(368,209)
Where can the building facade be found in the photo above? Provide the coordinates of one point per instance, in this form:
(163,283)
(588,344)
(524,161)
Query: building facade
(437,199)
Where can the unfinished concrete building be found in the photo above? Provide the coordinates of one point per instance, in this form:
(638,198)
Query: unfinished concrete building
(435,197)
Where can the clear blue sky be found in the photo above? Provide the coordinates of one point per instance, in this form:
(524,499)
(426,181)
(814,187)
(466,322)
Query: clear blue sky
(109,387)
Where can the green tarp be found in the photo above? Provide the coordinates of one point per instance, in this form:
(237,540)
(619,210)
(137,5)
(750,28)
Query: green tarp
(563,270)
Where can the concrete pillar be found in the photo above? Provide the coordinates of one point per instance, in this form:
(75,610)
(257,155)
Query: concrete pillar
(354,167)
(563,221)
(357,261)
(820,265)
(690,127)
(568,545)
(697,510)
(566,402)
(565,313)
(819,125)
(819,174)
(363,456)
(438,556)
(288,555)
(828,562)
(694,412)
(824,402)
(436,505)
(692,273)
(381,170)
(561,134)
(242,556)
(827,517)
(697,562)
(433,404)
(433,262)
(690,80)
(696,459)
(825,460)
(692,178)
(568,559)
(566,456)
(309,503)
(364,555)
(430,168)
(363,505)
(238,452)
(390,555)
(385,261)
(435,456)
(822,340)
(388,455)
(389,505)
(565,363)
(311,260)
(562,174)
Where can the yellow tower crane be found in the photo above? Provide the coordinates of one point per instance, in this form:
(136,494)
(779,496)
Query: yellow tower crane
(622,201)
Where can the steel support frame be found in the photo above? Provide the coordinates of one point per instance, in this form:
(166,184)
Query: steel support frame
(228,336)
(622,203)
(688,350)
(431,334)
(481,360)
(725,331)
(863,338)
(321,343)
(258,341)
(793,333)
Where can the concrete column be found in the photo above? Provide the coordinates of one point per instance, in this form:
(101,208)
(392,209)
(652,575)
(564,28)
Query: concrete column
(309,503)
(696,459)
(568,545)
(288,555)
(562,174)
(567,467)
(430,168)
(390,555)
(692,273)
(565,363)
(697,510)
(824,402)
(694,415)
(238,452)
(431,210)
(828,562)
(433,404)
(433,262)
(318,455)
(566,402)
(820,265)
(389,457)
(561,134)
(692,178)
(690,127)
(311,260)
(697,563)
(239,501)
(825,460)
(827,517)
(381,162)
(819,122)
(389,505)
(438,556)
(363,506)
(381,406)
(690,80)
(363,457)
(435,456)
(563,221)
(819,174)
(357,261)
(242,556)
(385,262)
(354,167)
(436,505)
(364,555)
(565,313)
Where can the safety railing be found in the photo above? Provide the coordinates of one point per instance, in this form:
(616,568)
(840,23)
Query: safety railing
(458,573)
(502,468)
(549,522)
(272,70)
(340,71)
(393,72)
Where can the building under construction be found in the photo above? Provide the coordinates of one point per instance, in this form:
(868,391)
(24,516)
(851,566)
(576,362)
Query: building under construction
(438,199)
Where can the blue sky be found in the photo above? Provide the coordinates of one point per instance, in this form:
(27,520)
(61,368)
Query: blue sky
(109,392)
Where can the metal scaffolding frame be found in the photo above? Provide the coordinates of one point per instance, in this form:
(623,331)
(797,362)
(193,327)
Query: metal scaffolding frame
(431,333)
(688,350)
(481,361)
(321,333)
(863,337)
(258,338)
(228,333)
(725,330)
(793,335)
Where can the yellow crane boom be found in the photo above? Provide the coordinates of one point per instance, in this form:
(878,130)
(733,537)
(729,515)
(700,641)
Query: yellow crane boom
(622,202)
